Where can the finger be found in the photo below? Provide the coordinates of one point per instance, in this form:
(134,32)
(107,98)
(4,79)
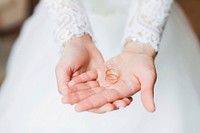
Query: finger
(120,104)
(112,106)
(98,100)
(75,74)
(81,87)
(147,90)
(63,76)
(104,109)
(128,100)
(79,96)
(88,76)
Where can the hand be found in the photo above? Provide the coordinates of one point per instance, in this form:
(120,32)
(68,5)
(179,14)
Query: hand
(137,72)
(79,56)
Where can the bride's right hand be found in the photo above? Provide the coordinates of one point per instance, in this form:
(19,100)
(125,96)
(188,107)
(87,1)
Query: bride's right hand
(79,55)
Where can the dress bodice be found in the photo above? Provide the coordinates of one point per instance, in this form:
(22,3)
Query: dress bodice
(145,25)
(106,7)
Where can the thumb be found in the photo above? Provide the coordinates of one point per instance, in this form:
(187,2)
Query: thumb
(63,76)
(147,90)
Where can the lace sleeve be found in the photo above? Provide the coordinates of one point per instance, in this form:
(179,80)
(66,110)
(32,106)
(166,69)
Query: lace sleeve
(146,21)
(71,19)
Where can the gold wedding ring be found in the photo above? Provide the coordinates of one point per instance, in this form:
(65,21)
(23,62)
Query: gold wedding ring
(112,75)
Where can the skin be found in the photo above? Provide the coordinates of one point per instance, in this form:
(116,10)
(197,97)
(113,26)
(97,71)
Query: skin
(83,82)
(79,56)
(137,73)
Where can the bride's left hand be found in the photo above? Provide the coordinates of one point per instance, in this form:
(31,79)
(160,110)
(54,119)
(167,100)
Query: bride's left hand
(136,70)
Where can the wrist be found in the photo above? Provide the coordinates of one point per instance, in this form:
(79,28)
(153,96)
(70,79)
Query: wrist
(135,47)
(84,42)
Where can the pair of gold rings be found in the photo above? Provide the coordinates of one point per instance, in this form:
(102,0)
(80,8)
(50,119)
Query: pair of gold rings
(112,75)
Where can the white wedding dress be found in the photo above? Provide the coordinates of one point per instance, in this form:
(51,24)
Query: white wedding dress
(30,103)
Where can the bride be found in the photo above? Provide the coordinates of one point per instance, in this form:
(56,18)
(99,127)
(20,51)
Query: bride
(74,37)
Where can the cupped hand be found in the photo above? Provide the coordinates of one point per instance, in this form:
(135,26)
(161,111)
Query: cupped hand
(137,72)
(79,55)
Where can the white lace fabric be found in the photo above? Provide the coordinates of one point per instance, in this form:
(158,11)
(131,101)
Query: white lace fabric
(71,19)
(145,24)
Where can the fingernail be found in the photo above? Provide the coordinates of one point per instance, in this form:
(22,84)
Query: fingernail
(130,98)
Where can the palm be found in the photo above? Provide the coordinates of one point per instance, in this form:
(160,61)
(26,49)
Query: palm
(79,60)
(76,59)
(91,90)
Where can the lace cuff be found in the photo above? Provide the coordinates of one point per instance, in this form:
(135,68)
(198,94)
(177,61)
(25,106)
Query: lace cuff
(146,21)
(70,17)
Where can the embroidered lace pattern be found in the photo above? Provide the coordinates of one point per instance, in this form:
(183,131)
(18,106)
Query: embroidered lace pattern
(71,19)
(145,24)
(146,21)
